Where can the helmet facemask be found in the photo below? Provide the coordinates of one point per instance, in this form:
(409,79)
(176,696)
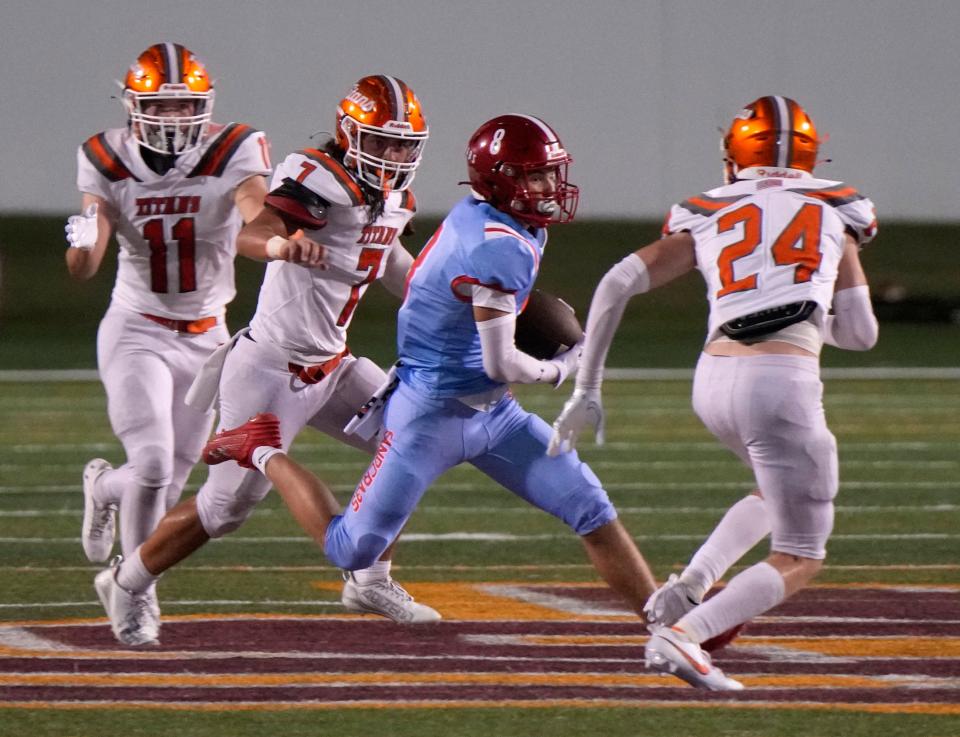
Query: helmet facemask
(368,144)
(169,134)
(515,192)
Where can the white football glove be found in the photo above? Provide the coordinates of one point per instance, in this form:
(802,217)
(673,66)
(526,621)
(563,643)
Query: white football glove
(583,408)
(82,229)
(567,362)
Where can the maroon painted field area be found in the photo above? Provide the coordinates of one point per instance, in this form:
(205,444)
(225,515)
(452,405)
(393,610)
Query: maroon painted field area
(879,649)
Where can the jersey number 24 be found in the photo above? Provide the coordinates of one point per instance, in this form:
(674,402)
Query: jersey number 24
(797,245)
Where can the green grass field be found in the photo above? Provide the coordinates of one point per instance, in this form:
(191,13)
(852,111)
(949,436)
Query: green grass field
(898,517)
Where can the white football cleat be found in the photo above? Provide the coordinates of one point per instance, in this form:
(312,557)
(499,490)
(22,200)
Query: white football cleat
(669,603)
(387,598)
(134,618)
(99,521)
(670,651)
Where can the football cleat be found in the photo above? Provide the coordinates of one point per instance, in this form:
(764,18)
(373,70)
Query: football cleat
(670,651)
(134,618)
(99,520)
(387,598)
(669,603)
(240,442)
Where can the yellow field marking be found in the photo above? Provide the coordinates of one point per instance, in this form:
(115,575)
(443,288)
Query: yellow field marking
(864,647)
(272,680)
(467,601)
(935,709)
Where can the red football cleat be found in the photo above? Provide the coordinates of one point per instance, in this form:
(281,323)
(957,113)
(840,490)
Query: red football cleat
(237,444)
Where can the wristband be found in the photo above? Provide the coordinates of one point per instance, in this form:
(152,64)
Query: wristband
(274,245)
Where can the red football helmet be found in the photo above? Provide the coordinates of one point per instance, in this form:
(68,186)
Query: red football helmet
(501,156)
(382,113)
(771,132)
(170,76)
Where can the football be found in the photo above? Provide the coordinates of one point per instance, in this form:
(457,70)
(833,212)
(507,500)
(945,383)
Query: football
(547,326)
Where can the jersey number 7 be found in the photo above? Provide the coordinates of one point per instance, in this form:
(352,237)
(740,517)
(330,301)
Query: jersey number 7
(797,245)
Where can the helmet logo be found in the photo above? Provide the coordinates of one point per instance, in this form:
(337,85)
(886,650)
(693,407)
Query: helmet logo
(555,151)
(360,100)
(497,140)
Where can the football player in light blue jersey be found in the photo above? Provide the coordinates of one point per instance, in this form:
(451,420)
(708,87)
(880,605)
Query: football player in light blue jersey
(451,403)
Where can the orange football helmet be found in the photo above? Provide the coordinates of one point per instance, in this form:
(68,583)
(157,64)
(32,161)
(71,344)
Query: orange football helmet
(169,98)
(378,122)
(774,132)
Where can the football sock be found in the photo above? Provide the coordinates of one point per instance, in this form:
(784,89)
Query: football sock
(141,510)
(379,571)
(110,486)
(756,590)
(744,525)
(133,575)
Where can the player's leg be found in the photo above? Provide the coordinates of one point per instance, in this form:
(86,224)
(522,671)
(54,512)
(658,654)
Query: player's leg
(421,439)
(371,589)
(565,487)
(744,525)
(794,457)
(249,384)
(139,388)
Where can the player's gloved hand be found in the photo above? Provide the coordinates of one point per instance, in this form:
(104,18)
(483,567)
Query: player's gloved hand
(297,249)
(583,408)
(567,363)
(82,229)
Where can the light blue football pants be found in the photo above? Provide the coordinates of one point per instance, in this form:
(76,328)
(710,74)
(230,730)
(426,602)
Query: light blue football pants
(424,437)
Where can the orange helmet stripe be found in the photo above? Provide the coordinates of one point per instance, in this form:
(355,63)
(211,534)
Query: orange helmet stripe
(339,173)
(397,92)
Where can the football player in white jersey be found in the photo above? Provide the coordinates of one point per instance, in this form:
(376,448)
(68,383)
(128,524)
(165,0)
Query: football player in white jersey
(173,188)
(343,207)
(779,252)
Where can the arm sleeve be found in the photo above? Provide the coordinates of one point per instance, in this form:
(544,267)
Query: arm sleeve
(504,363)
(852,326)
(627,278)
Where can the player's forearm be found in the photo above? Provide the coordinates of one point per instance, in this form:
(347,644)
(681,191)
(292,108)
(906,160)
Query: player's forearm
(503,362)
(80,264)
(852,326)
(623,281)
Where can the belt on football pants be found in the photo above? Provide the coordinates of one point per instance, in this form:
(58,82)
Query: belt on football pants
(317,372)
(194,327)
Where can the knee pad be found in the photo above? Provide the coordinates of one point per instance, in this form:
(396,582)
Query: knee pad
(221,519)
(344,553)
(152,466)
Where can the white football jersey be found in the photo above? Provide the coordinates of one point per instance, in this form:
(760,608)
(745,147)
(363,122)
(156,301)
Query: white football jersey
(306,311)
(766,240)
(177,231)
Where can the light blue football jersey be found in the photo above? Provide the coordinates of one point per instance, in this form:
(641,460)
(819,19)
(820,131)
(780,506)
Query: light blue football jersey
(437,339)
